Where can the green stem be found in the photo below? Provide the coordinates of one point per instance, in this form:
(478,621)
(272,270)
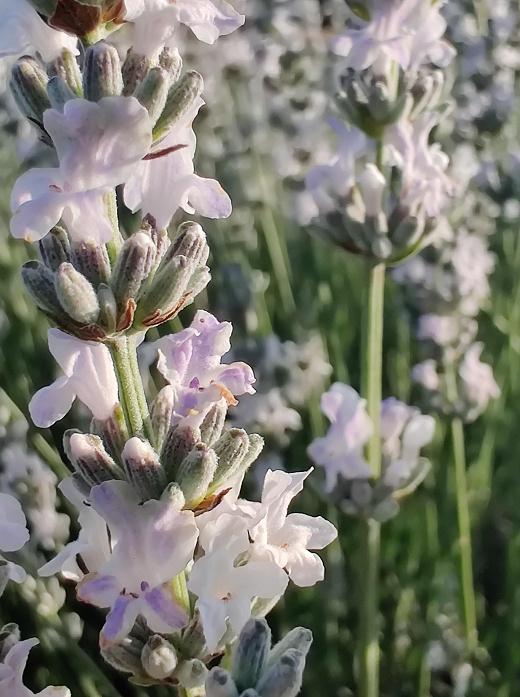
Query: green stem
(371,529)
(114,245)
(461,493)
(127,390)
(181,591)
(465,551)
(139,390)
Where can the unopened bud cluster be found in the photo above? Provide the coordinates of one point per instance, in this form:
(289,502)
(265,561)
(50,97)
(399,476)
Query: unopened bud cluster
(382,194)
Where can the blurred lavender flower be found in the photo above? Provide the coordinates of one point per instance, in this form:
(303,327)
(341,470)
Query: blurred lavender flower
(11,673)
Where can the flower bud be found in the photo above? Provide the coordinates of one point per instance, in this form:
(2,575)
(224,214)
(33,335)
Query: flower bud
(190,241)
(219,683)
(132,268)
(174,496)
(54,248)
(28,85)
(88,455)
(107,309)
(191,674)
(92,261)
(171,61)
(180,99)
(113,433)
(66,67)
(213,423)
(77,296)
(39,282)
(195,474)
(102,72)
(166,295)
(125,657)
(179,442)
(134,70)
(143,468)
(231,449)
(298,638)
(59,93)
(250,655)
(161,414)
(284,678)
(369,103)
(159,658)
(153,91)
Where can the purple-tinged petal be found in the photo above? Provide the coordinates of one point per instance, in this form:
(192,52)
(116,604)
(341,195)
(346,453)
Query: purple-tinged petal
(120,620)
(98,590)
(162,614)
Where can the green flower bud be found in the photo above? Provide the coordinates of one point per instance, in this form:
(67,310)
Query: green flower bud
(195,474)
(166,295)
(171,61)
(180,99)
(102,72)
(179,442)
(231,449)
(134,70)
(89,457)
(159,658)
(219,683)
(153,91)
(39,282)
(298,638)
(283,679)
(59,92)
(77,296)
(28,85)
(213,423)
(250,655)
(92,261)
(161,414)
(66,67)
(191,674)
(132,268)
(143,468)
(54,248)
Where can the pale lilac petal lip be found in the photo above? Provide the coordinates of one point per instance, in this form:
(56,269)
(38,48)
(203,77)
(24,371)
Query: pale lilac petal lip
(120,620)
(99,591)
(161,604)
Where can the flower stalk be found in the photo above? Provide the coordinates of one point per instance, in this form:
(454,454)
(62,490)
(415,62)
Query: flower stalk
(120,353)
(371,529)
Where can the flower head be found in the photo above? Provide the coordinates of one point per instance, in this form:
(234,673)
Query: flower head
(89,376)
(287,539)
(191,362)
(425,185)
(23,31)
(162,185)
(478,383)
(98,146)
(11,672)
(408,32)
(225,589)
(340,452)
(154,541)
(157,20)
(404,431)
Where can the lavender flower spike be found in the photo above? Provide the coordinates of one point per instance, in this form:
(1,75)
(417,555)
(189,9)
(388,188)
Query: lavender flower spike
(340,452)
(11,672)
